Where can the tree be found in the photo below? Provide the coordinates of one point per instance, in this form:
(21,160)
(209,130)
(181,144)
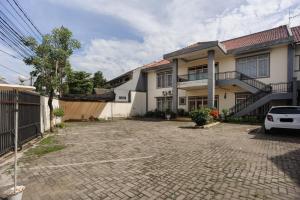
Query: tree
(98,80)
(80,82)
(50,62)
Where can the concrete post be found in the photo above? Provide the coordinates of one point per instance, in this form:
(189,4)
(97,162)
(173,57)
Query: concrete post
(211,79)
(290,63)
(295,91)
(174,85)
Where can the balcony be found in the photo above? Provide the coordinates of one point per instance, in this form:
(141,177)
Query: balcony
(192,81)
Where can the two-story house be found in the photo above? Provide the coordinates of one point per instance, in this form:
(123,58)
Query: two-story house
(246,75)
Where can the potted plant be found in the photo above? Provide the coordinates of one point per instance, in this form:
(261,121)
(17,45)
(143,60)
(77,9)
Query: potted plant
(168,114)
(15,194)
(58,113)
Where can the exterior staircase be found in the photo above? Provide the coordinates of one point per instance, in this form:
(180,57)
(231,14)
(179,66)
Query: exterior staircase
(237,78)
(266,94)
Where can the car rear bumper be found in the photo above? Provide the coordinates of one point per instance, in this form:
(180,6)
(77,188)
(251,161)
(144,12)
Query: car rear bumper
(286,125)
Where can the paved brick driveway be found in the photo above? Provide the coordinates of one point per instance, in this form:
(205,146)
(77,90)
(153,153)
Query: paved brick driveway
(165,160)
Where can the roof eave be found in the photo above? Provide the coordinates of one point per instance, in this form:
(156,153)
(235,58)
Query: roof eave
(209,45)
(288,40)
(159,67)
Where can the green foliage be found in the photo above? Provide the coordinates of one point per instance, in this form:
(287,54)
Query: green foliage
(58,112)
(61,125)
(42,150)
(245,119)
(79,82)
(48,140)
(201,116)
(98,80)
(160,114)
(182,113)
(50,61)
(46,145)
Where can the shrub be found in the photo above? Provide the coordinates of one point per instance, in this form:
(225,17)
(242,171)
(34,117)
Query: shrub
(214,113)
(201,116)
(58,112)
(182,113)
(225,113)
(61,125)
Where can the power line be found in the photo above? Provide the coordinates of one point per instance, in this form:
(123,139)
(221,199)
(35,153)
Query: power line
(10,54)
(20,24)
(16,11)
(1,65)
(17,4)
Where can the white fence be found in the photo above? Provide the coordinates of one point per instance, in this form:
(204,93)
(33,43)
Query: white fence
(45,113)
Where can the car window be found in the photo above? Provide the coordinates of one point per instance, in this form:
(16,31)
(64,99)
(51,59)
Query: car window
(285,110)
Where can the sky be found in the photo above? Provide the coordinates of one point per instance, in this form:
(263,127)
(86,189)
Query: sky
(119,35)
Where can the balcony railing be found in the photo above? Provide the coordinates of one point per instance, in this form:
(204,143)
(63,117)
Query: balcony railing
(282,87)
(242,77)
(192,77)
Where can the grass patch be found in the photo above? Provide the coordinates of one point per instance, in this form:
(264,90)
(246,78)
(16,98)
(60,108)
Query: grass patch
(48,140)
(42,150)
(46,145)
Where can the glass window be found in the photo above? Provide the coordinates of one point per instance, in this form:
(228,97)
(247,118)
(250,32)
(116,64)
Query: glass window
(254,66)
(163,103)
(241,97)
(297,63)
(285,110)
(182,100)
(164,79)
(196,102)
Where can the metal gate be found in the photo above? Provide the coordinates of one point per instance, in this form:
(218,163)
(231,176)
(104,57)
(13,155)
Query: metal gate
(29,118)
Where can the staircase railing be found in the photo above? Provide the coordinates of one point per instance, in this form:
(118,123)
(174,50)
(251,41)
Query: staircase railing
(271,88)
(243,77)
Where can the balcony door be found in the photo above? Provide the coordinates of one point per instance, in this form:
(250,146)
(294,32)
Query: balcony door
(200,72)
(196,72)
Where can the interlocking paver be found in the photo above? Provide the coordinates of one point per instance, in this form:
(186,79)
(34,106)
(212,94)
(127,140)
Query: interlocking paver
(127,159)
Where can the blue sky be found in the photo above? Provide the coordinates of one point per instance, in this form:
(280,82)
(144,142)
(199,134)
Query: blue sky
(119,35)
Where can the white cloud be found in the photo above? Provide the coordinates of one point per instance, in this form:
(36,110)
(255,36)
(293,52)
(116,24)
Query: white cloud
(168,25)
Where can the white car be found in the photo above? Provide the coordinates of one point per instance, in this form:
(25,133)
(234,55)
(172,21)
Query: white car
(287,117)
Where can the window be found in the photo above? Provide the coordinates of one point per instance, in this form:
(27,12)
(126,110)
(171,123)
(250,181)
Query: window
(285,110)
(297,63)
(254,66)
(182,100)
(241,97)
(163,103)
(196,102)
(197,72)
(164,79)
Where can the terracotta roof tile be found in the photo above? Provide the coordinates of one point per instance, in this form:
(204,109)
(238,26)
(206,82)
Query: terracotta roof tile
(277,33)
(296,33)
(157,63)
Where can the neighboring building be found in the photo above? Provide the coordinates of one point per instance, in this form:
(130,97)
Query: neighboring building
(2,81)
(246,75)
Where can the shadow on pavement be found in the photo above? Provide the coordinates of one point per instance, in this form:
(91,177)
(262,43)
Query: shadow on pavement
(289,163)
(283,135)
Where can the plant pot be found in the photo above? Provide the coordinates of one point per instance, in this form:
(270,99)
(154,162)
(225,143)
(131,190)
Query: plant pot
(15,196)
(168,116)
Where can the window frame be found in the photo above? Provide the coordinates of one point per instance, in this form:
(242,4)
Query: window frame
(297,68)
(166,103)
(162,79)
(184,101)
(257,69)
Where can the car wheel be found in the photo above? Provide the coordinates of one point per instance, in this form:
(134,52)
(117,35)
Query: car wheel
(267,131)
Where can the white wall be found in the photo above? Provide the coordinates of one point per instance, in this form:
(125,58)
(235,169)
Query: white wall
(136,107)
(45,113)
